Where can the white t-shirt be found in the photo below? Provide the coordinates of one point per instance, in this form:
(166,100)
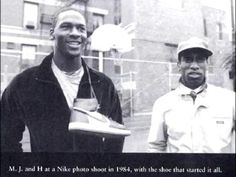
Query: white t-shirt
(69,82)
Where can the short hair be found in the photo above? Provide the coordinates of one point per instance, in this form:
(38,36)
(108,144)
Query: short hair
(58,12)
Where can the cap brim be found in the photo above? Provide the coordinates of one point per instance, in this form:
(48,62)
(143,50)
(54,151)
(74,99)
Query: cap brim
(206,51)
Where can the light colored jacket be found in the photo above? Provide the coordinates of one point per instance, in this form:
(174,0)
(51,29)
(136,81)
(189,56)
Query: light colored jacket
(205,125)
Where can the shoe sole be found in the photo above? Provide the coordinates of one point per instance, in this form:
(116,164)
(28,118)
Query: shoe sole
(86,128)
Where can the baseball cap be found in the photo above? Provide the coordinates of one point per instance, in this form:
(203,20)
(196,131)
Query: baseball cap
(194,43)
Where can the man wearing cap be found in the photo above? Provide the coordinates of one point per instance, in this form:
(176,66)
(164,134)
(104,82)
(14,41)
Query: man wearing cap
(196,117)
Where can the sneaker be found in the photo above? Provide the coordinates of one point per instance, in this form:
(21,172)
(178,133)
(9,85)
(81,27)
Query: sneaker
(93,122)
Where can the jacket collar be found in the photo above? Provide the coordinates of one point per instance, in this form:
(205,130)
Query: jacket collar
(44,72)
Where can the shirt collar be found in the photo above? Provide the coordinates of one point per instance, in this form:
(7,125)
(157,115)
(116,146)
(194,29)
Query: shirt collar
(201,91)
(183,90)
(76,75)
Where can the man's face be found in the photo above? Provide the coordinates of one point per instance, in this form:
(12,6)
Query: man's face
(193,66)
(69,34)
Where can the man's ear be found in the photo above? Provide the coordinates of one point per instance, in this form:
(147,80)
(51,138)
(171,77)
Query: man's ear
(52,34)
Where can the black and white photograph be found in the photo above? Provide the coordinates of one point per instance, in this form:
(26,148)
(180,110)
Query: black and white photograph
(118,88)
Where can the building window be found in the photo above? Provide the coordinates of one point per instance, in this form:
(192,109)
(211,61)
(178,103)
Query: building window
(98,20)
(10,45)
(219,31)
(46,19)
(30,15)
(117,12)
(28,52)
(117,69)
(205,27)
(171,54)
(117,20)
